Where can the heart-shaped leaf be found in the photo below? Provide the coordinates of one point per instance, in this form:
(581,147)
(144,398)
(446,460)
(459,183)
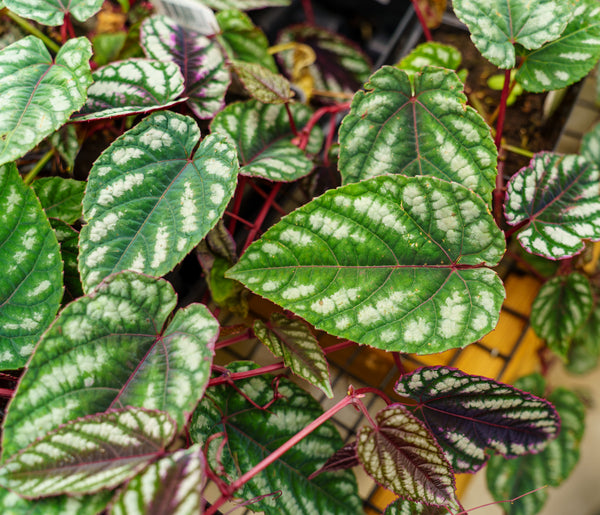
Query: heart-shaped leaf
(470,414)
(402,455)
(89,454)
(198,57)
(264,139)
(584,351)
(497,25)
(31,285)
(568,58)
(340,65)
(13,504)
(109,349)
(52,12)
(38,93)
(508,479)
(395,262)
(171,485)
(132,86)
(242,40)
(292,340)
(402,507)
(431,54)
(245,5)
(263,84)
(561,307)
(60,198)
(173,196)
(253,433)
(67,145)
(556,200)
(420,129)
(68,239)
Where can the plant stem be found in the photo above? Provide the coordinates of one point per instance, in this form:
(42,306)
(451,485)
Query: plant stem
(28,27)
(237,202)
(262,215)
(308,12)
(264,195)
(498,193)
(246,335)
(366,413)
(291,119)
(38,167)
(502,109)
(238,376)
(376,391)
(339,346)
(6,393)
(422,21)
(242,480)
(517,150)
(316,116)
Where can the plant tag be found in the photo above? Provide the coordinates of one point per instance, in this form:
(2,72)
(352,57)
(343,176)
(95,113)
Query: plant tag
(190,14)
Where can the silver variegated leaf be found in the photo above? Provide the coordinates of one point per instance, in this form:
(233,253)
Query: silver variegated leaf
(112,348)
(404,457)
(292,340)
(431,54)
(423,128)
(245,5)
(198,57)
(172,193)
(497,25)
(402,507)
(31,285)
(557,200)
(561,307)
(60,198)
(590,146)
(13,504)
(585,348)
(470,415)
(130,87)
(52,12)
(264,139)
(399,263)
(172,485)
(67,145)
(89,454)
(570,57)
(68,239)
(39,93)
(262,84)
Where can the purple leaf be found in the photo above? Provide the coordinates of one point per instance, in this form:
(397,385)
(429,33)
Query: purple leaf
(342,459)
(470,414)
(403,456)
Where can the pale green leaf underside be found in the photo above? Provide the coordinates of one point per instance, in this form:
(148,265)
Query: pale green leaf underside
(422,130)
(89,454)
(13,504)
(60,198)
(173,484)
(561,307)
(130,87)
(557,195)
(293,341)
(245,5)
(37,93)
(108,349)
(379,262)
(52,12)
(264,139)
(496,25)
(172,196)
(431,54)
(403,456)
(567,59)
(263,84)
(31,285)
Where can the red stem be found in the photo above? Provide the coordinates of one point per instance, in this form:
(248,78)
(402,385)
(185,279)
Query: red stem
(398,361)
(241,481)
(502,108)
(339,346)
(291,119)
(316,116)
(370,389)
(422,20)
(262,215)
(308,12)
(262,193)
(237,202)
(239,219)
(238,376)
(246,335)
(5,392)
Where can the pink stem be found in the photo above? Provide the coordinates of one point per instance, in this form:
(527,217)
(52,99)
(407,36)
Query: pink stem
(262,215)
(246,335)
(239,219)
(422,20)
(6,393)
(313,120)
(238,376)
(376,391)
(237,202)
(262,193)
(291,119)
(308,12)
(338,346)
(502,108)
(241,481)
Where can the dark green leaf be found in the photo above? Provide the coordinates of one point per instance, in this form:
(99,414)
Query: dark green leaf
(60,198)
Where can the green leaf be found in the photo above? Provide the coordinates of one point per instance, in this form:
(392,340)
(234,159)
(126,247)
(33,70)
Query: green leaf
(31,285)
(245,5)
(497,25)
(561,307)
(60,198)
(264,139)
(402,507)
(68,239)
(424,129)
(89,454)
(13,504)
(52,12)
(508,479)
(112,348)
(173,196)
(198,57)
(292,340)
(242,40)
(585,348)
(590,145)
(107,46)
(38,93)
(262,84)
(340,65)
(403,456)
(568,58)
(430,54)
(399,263)
(557,201)
(253,433)
(66,144)
(132,86)
(173,485)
